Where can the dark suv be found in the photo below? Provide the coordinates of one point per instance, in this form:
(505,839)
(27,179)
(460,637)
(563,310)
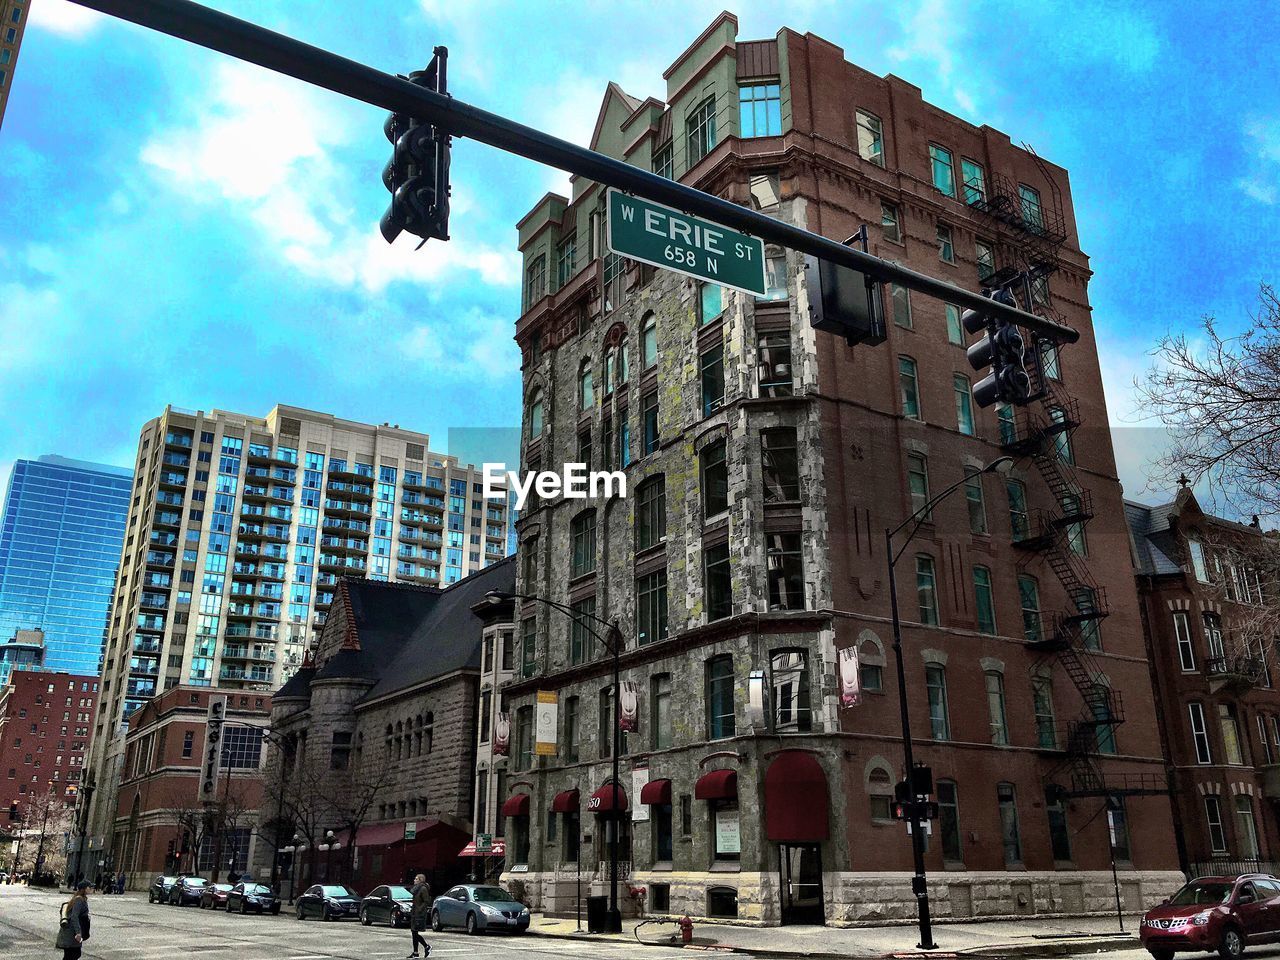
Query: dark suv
(1215,913)
(158,892)
(187,892)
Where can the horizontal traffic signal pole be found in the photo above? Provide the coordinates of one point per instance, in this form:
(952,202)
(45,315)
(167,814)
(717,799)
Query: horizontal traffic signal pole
(266,48)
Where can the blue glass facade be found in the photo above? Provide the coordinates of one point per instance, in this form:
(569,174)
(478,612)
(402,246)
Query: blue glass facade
(63,527)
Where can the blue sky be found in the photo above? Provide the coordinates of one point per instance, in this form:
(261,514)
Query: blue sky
(178,228)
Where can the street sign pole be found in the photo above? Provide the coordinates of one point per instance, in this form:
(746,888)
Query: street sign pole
(254,44)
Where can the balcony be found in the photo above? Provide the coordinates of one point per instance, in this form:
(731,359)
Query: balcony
(256,531)
(178,441)
(358,491)
(346,508)
(328,562)
(345,525)
(166,518)
(1234,673)
(172,478)
(345,545)
(146,645)
(259,654)
(160,560)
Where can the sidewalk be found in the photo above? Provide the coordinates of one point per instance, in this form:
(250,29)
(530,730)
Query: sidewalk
(997,938)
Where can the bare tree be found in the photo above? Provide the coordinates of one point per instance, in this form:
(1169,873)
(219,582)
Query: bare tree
(199,821)
(46,821)
(1243,566)
(1219,398)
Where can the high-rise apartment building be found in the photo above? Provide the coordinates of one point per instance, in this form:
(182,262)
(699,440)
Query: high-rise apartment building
(747,565)
(12,26)
(60,543)
(240,528)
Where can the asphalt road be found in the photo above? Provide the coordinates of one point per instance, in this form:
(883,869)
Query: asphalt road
(128,928)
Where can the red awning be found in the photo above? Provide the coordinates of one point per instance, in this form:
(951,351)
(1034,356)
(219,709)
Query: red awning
(656,791)
(717,785)
(498,848)
(795,799)
(608,799)
(566,801)
(517,805)
(384,834)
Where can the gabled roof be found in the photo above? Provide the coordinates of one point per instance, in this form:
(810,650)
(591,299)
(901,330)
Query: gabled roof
(381,617)
(629,105)
(1154,539)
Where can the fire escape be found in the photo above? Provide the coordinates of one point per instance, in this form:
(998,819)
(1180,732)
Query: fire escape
(1029,236)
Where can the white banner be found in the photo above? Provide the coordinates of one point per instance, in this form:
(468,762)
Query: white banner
(850,678)
(639,777)
(212,749)
(546,714)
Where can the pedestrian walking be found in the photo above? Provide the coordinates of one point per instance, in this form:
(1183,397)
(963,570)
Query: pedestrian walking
(73,928)
(120,882)
(420,915)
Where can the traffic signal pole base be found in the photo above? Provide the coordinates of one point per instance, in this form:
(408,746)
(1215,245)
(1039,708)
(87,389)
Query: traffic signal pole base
(613,921)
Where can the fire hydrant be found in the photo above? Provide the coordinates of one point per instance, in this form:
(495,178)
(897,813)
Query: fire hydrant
(686,930)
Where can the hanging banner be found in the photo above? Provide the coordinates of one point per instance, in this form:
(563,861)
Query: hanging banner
(850,679)
(212,749)
(629,702)
(502,735)
(755,700)
(639,777)
(544,724)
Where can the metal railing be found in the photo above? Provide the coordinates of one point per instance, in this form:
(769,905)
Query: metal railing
(1230,868)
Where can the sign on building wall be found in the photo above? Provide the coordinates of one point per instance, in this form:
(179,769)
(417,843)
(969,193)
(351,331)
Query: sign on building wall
(728,831)
(629,706)
(212,749)
(544,724)
(639,777)
(850,680)
(755,700)
(502,735)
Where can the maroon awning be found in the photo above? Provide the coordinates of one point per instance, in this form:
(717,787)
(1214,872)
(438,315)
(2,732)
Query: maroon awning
(656,791)
(383,834)
(566,801)
(516,805)
(795,799)
(717,785)
(498,848)
(608,799)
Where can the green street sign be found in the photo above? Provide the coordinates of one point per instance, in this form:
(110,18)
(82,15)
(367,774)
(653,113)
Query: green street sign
(484,842)
(652,233)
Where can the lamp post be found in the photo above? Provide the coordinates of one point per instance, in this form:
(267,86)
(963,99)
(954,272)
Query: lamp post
(292,849)
(613,643)
(918,882)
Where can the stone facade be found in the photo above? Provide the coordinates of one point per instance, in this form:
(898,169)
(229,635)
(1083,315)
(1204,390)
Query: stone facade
(740,692)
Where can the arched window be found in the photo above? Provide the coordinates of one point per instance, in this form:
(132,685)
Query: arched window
(870,662)
(649,341)
(610,371)
(586,390)
(880,791)
(535,414)
(388,739)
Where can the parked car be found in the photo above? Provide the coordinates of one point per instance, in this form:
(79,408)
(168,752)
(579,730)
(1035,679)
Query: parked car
(1225,914)
(328,901)
(253,898)
(387,904)
(214,896)
(478,907)
(158,892)
(187,891)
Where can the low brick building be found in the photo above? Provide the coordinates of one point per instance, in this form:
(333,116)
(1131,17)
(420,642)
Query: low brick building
(377,731)
(162,822)
(1209,593)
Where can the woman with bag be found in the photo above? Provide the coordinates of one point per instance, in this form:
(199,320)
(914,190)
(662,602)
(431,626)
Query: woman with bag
(73,931)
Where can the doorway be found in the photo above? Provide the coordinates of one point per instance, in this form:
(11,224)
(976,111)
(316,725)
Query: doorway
(801,875)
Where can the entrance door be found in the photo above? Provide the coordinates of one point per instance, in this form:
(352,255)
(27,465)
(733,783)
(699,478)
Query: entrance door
(801,866)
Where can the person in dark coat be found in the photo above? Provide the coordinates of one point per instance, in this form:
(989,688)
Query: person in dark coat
(74,928)
(420,915)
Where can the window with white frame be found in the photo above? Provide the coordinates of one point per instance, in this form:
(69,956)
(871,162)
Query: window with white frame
(1199,733)
(1186,650)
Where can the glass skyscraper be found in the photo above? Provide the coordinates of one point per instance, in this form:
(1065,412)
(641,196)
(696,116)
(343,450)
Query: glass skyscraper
(63,528)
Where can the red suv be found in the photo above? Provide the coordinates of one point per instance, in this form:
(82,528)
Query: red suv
(1215,913)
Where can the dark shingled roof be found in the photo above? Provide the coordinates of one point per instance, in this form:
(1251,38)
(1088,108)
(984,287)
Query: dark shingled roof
(384,615)
(1153,537)
(299,685)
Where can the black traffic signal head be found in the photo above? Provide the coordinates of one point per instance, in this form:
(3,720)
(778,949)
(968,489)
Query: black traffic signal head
(1001,348)
(418,172)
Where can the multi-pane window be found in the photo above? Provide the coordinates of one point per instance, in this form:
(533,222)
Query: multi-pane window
(1019,518)
(880,795)
(583,537)
(241,747)
(715,480)
(773,364)
(1029,599)
(1042,705)
(780,465)
(935,684)
(710,302)
(711,369)
(651,607)
(581,647)
(985,254)
(1009,834)
(649,341)
(664,161)
(1213,635)
(926,590)
(949,821)
(700,130)
(660,711)
(572,722)
(889,222)
(535,415)
(1199,733)
(995,707)
(720,715)
(566,259)
(1032,212)
(946,246)
(785,569)
(1049,361)
(649,423)
(1213,818)
(789,679)
(651,513)
(1055,810)
(1186,649)
(717,582)
(943,168)
(1198,566)
(984,600)
(964,404)
(760,109)
(901,298)
(975,502)
(955,332)
(535,281)
(910,387)
(870,138)
(1061,437)
(974,180)
(1246,828)
(586,387)
(918,481)
(1118,817)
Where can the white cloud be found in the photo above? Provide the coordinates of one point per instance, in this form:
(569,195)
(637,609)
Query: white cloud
(64,18)
(933,36)
(1262,143)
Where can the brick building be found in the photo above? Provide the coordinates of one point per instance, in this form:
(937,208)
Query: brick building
(45,720)
(161,822)
(764,461)
(1208,589)
(377,732)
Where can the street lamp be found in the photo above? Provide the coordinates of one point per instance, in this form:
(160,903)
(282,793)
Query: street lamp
(292,849)
(918,882)
(613,643)
(328,847)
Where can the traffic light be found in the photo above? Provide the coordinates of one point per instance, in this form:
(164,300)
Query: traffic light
(418,173)
(844,302)
(1002,349)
